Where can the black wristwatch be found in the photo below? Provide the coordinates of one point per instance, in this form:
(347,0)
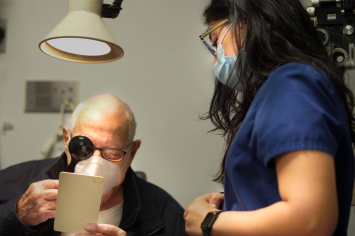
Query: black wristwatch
(207,223)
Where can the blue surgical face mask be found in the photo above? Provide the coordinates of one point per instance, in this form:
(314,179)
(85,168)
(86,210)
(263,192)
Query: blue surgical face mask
(224,67)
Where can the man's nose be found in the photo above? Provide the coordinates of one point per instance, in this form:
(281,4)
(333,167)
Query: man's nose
(97,153)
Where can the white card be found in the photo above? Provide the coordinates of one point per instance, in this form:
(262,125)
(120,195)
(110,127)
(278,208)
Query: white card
(78,202)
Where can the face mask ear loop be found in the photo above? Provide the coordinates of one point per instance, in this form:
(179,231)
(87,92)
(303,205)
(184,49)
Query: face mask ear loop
(225,34)
(124,165)
(220,43)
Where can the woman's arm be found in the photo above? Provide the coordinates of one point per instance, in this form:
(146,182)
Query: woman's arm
(307,187)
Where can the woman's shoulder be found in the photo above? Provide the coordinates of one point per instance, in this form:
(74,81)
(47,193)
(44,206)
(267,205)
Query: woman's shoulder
(297,81)
(295,65)
(296,75)
(298,69)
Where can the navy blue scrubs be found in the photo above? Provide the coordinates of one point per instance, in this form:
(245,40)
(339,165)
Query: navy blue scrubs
(297,108)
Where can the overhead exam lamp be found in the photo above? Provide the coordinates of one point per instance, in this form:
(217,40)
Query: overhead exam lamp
(82,36)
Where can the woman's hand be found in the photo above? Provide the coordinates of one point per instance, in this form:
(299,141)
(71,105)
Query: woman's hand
(197,210)
(102,229)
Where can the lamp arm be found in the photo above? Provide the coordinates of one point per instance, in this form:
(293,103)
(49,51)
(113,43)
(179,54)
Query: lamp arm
(62,108)
(59,133)
(112,11)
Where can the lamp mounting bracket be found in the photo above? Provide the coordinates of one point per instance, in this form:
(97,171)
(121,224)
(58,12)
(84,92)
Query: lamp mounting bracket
(111,11)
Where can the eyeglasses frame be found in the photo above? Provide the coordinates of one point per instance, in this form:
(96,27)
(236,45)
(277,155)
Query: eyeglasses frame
(95,148)
(124,152)
(211,50)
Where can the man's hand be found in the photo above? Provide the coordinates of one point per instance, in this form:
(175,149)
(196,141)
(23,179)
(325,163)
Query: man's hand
(197,210)
(38,203)
(102,229)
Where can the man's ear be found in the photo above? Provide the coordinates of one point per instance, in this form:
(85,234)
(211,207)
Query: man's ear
(66,140)
(135,147)
(65,135)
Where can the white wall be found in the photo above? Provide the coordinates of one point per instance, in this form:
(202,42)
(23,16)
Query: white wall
(165,76)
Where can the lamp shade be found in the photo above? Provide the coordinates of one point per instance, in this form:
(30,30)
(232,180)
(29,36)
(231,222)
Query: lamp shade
(82,36)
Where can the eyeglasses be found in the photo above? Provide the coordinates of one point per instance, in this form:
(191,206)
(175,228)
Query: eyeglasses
(81,148)
(209,45)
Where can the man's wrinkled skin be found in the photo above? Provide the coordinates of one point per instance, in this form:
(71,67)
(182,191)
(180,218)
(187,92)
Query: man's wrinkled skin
(38,203)
(106,121)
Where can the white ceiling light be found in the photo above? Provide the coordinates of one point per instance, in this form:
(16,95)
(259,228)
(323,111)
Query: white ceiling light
(82,36)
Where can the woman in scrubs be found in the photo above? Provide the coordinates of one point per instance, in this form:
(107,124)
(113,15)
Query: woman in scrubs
(286,115)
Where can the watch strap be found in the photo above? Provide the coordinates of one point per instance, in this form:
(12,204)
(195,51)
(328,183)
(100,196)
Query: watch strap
(208,222)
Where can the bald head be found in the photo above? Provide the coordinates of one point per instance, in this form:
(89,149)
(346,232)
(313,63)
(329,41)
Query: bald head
(100,108)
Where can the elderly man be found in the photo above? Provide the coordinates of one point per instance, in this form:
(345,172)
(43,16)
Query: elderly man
(129,206)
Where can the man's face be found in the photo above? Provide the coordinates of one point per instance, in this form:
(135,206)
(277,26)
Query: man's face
(108,130)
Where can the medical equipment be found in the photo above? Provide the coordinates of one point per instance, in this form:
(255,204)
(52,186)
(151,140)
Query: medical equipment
(59,133)
(335,22)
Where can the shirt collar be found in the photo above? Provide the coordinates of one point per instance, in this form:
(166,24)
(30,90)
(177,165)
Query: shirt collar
(138,207)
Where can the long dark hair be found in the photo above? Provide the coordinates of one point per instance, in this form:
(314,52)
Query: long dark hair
(277,32)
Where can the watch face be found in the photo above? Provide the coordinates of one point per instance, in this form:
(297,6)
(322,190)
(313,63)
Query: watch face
(207,220)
